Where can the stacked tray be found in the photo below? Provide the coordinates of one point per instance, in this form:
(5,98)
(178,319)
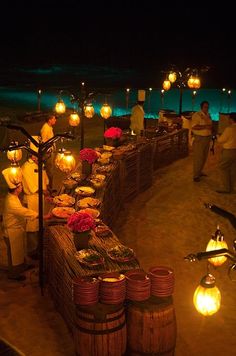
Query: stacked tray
(85,290)
(138,285)
(112,288)
(162,281)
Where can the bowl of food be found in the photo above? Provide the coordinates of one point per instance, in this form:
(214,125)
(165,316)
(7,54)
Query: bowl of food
(84,191)
(121,253)
(89,257)
(64,200)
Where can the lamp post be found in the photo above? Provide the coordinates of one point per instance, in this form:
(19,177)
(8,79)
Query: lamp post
(162,98)
(194,93)
(127,97)
(149,99)
(222,99)
(39,99)
(229,100)
(42,150)
(189,77)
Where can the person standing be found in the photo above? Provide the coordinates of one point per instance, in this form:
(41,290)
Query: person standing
(31,197)
(15,216)
(137,114)
(202,132)
(227,163)
(47,133)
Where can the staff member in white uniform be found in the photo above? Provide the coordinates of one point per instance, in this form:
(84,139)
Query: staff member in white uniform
(47,133)
(202,131)
(31,197)
(137,114)
(227,162)
(14,221)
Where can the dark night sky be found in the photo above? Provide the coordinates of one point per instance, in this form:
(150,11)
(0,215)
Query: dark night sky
(145,37)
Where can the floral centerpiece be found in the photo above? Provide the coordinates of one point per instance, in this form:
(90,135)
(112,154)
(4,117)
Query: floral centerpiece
(88,156)
(81,224)
(113,135)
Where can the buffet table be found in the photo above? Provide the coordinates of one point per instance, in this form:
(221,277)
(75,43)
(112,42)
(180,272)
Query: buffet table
(130,174)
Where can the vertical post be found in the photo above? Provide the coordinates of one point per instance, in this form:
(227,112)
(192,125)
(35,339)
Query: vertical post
(229,100)
(39,99)
(127,98)
(162,98)
(180,98)
(41,230)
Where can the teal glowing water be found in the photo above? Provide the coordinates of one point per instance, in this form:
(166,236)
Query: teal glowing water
(122,104)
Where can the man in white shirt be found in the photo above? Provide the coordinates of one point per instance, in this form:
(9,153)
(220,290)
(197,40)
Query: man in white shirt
(227,162)
(47,133)
(137,118)
(202,132)
(15,217)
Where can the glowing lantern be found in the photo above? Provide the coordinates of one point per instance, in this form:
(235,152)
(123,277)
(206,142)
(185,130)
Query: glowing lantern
(216,243)
(59,156)
(15,173)
(105,111)
(74,119)
(60,107)
(89,111)
(14,155)
(166,84)
(67,162)
(196,83)
(207,296)
(191,82)
(172,77)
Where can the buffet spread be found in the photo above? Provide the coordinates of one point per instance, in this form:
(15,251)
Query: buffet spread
(76,278)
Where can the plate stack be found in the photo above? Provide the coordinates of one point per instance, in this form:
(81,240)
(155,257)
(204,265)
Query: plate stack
(112,288)
(162,281)
(85,290)
(138,285)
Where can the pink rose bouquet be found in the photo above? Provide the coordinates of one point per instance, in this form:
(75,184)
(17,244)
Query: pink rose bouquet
(113,133)
(89,155)
(80,222)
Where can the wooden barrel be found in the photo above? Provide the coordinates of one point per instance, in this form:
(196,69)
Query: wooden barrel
(100,330)
(151,327)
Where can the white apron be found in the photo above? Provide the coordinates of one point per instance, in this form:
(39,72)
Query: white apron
(32,201)
(17,245)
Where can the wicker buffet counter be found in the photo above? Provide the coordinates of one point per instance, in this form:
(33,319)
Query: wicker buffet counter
(131,173)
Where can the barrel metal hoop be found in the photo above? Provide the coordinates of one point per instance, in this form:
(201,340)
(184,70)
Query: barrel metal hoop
(101,332)
(160,353)
(81,317)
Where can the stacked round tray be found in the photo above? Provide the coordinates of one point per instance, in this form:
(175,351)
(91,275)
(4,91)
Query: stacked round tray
(162,281)
(112,288)
(85,290)
(138,285)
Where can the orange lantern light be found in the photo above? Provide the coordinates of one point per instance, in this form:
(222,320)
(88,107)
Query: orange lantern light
(216,243)
(166,84)
(191,82)
(196,83)
(59,156)
(60,107)
(106,111)
(67,162)
(15,173)
(14,155)
(207,297)
(172,77)
(89,111)
(74,119)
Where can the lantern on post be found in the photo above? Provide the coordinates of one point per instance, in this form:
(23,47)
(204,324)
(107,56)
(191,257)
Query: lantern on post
(14,155)
(166,85)
(207,297)
(67,162)
(74,119)
(60,107)
(172,77)
(89,111)
(216,243)
(105,111)
(59,156)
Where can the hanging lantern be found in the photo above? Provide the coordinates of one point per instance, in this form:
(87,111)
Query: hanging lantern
(166,84)
(216,243)
(60,107)
(105,111)
(196,83)
(14,155)
(191,82)
(89,111)
(207,296)
(59,156)
(74,119)
(172,77)
(15,173)
(67,162)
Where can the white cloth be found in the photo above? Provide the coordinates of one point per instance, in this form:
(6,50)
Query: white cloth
(228,137)
(46,132)
(200,118)
(14,220)
(30,187)
(137,118)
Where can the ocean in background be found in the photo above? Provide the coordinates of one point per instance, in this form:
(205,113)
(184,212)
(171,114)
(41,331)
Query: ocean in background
(24,95)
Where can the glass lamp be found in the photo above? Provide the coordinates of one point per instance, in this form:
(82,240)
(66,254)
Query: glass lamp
(15,173)
(207,296)
(59,156)
(14,155)
(191,82)
(172,77)
(89,111)
(166,84)
(60,107)
(196,83)
(67,162)
(105,111)
(216,243)
(74,119)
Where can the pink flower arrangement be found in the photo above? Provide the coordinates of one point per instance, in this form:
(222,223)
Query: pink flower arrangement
(88,154)
(80,222)
(113,132)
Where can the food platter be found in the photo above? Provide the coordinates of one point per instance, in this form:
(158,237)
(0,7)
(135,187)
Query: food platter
(76,176)
(97,180)
(108,148)
(64,200)
(63,212)
(93,212)
(89,257)
(121,253)
(88,203)
(103,231)
(85,191)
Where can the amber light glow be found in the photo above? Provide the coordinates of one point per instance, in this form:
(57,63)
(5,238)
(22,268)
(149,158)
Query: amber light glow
(89,111)
(74,119)
(105,111)
(15,173)
(207,297)
(14,155)
(217,242)
(67,162)
(166,84)
(59,156)
(60,107)
(172,77)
